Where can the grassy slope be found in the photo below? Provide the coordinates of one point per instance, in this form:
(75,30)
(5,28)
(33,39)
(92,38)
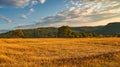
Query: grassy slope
(84,52)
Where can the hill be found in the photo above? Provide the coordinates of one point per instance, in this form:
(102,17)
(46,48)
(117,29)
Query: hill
(109,29)
(50,32)
(33,33)
(86,28)
(46,32)
(3,31)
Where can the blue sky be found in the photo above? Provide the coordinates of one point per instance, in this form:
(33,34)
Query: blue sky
(17,14)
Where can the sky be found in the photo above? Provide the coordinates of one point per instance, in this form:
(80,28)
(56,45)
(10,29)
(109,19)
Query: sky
(24,14)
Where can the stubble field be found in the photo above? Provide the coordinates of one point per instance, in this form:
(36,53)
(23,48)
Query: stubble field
(60,52)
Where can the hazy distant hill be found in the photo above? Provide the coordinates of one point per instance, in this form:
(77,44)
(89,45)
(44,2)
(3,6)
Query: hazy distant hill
(86,28)
(4,31)
(109,29)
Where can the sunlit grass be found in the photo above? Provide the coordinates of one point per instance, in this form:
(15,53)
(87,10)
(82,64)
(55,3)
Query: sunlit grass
(50,52)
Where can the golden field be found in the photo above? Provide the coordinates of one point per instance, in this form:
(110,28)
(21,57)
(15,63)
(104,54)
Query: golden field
(60,52)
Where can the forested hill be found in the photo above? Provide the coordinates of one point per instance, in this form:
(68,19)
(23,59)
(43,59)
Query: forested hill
(111,29)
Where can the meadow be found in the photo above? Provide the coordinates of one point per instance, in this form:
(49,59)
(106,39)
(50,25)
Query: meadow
(60,52)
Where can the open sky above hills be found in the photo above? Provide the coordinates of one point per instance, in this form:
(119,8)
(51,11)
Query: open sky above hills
(43,13)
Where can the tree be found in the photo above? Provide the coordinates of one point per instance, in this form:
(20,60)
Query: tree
(18,33)
(116,35)
(90,35)
(64,31)
(95,35)
(84,34)
(75,34)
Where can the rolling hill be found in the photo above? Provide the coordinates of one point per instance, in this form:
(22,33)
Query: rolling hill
(109,29)
(86,28)
(48,32)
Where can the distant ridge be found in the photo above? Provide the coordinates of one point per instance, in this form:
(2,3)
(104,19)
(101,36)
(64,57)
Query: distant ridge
(86,28)
(109,29)
(3,31)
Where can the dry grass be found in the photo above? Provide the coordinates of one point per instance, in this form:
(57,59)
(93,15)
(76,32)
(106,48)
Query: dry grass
(54,52)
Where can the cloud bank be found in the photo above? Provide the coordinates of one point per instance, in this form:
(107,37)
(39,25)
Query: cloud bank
(78,12)
(16,3)
(81,12)
(20,3)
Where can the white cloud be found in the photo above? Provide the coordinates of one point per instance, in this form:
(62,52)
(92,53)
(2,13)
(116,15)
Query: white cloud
(16,3)
(20,3)
(42,1)
(23,16)
(34,2)
(71,9)
(31,10)
(6,19)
